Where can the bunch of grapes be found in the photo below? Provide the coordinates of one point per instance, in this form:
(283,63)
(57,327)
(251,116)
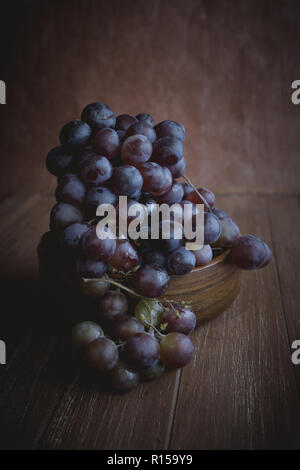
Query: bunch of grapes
(102,157)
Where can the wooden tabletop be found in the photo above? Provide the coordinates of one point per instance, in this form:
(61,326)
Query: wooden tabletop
(241,390)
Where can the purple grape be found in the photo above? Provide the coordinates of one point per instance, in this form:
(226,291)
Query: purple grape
(98,115)
(219,213)
(249,252)
(176,350)
(98,195)
(212,228)
(174,195)
(63,214)
(181,261)
(58,162)
(151,281)
(123,378)
(179,319)
(170,129)
(112,306)
(70,189)
(125,327)
(102,354)
(167,151)
(71,236)
(142,128)
(155,258)
(187,189)
(95,170)
(75,135)
(136,149)
(89,269)
(268,256)
(95,248)
(127,181)
(178,169)
(206,193)
(153,176)
(145,117)
(125,257)
(107,142)
(86,332)
(230,232)
(124,121)
(168,181)
(203,256)
(142,350)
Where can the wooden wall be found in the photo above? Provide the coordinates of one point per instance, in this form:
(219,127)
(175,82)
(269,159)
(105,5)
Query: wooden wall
(221,67)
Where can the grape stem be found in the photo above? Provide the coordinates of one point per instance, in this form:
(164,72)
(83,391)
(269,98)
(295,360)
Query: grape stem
(197,192)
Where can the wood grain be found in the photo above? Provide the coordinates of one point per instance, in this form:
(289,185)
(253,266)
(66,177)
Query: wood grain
(240,392)
(222,68)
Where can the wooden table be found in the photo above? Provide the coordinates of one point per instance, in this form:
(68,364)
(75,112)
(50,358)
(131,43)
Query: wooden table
(241,390)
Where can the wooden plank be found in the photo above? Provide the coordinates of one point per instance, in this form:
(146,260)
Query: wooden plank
(284,218)
(240,391)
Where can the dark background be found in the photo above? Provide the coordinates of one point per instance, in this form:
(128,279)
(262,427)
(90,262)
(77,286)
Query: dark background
(222,68)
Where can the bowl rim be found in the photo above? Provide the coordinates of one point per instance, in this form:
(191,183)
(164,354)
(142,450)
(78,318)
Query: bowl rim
(218,259)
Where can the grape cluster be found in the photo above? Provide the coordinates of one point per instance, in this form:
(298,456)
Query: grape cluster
(102,157)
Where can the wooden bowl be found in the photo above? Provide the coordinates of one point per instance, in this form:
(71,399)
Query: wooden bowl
(210,289)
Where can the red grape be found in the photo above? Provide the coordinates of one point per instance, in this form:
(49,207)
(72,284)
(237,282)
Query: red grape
(142,128)
(170,129)
(112,306)
(142,350)
(181,261)
(102,354)
(63,214)
(151,281)
(124,121)
(70,190)
(95,248)
(230,232)
(174,195)
(176,350)
(203,256)
(98,195)
(125,257)
(179,319)
(136,149)
(98,115)
(167,151)
(95,170)
(206,193)
(107,142)
(127,181)
(145,117)
(178,169)
(123,378)
(71,236)
(212,228)
(90,269)
(125,327)
(248,252)
(153,177)
(75,135)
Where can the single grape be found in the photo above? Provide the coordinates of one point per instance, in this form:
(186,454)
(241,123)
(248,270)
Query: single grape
(123,378)
(181,261)
(125,327)
(71,236)
(112,306)
(96,196)
(203,256)
(58,161)
(207,195)
(95,170)
(85,332)
(178,169)
(142,128)
(248,252)
(142,312)
(212,228)
(107,142)
(95,287)
(154,372)
(153,177)
(179,319)
(230,232)
(167,151)
(168,181)
(124,121)
(75,135)
(95,248)
(155,257)
(187,189)
(142,350)
(174,195)
(145,117)
(219,213)
(125,257)
(102,354)
(136,149)
(98,115)
(63,214)
(127,181)
(151,281)
(70,189)
(170,129)
(176,350)
(268,256)
(89,269)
